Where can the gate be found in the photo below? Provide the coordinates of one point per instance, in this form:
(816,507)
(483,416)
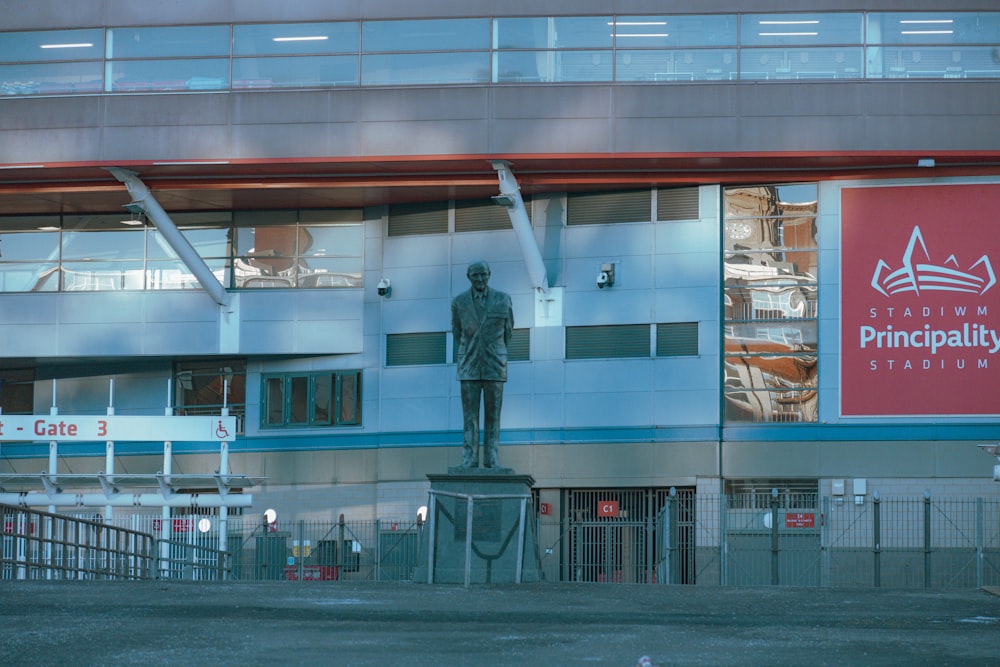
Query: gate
(624,535)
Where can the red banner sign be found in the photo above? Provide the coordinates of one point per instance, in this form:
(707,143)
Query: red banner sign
(607,508)
(800,520)
(920,304)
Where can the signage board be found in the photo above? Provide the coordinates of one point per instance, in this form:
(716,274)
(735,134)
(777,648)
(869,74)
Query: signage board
(607,508)
(919,301)
(102,428)
(800,520)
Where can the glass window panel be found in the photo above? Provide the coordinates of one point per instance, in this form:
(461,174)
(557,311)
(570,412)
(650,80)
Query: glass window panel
(425,68)
(174,274)
(103,276)
(51,45)
(298,400)
(688,65)
(425,35)
(274,390)
(805,29)
(295,72)
(22,246)
(329,272)
(150,75)
(350,398)
(104,245)
(51,78)
(265,250)
(295,38)
(748,300)
(799,63)
(933,62)
(207,242)
(322,398)
(934,28)
(332,240)
(167,42)
(665,31)
(29,277)
(560,32)
(789,406)
(553,66)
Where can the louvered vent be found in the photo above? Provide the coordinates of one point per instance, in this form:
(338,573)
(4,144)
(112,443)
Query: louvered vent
(480,216)
(411,349)
(610,341)
(608,207)
(677,204)
(408,219)
(677,339)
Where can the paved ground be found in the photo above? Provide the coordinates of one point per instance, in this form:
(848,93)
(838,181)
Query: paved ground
(389,624)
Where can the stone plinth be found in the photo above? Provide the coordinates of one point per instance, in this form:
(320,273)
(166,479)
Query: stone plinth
(499,546)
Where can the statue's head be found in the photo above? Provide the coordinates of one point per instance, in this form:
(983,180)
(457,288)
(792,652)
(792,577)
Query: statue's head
(478,274)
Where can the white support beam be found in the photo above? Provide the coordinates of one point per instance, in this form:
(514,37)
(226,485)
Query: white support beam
(510,198)
(144,200)
(60,499)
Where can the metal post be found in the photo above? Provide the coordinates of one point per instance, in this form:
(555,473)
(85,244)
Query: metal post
(774,538)
(520,542)
(302,549)
(723,540)
(109,454)
(378,550)
(877,537)
(341,561)
(980,539)
(468,540)
(166,525)
(431,525)
(927,539)
(824,543)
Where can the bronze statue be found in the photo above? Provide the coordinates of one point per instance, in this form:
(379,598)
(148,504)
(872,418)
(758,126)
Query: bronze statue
(481,321)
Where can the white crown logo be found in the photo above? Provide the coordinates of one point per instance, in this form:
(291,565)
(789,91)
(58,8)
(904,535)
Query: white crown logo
(917,274)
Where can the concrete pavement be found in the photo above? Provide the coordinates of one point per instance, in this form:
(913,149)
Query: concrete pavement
(344,623)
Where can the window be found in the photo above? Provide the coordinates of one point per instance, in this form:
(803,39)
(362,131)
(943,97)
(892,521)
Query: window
(17,391)
(770,295)
(608,341)
(329,398)
(204,387)
(408,349)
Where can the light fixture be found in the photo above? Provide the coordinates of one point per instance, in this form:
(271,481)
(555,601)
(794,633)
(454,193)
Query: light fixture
(507,201)
(994,451)
(80,45)
(384,287)
(926,162)
(306,38)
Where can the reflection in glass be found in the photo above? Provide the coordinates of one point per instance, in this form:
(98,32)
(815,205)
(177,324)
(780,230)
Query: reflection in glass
(168,42)
(553,66)
(933,62)
(425,68)
(51,78)
(295,38)
(104,244)
(146,75)
(102,276)
(322,398)
(559,32)
(295,72)
(800,29)
(673,31)
(933,28)
(207,242)
(687,65)
(801,63)
(29,277)
(40,45)
(425,35)
(174,274)
(274,401)
(349,399)
(28,246)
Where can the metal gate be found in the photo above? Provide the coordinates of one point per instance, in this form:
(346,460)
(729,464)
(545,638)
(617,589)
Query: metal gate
(623,536)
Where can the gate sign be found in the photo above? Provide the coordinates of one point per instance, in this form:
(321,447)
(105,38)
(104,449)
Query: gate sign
(919,302)
(607,508)
(90,428)
(800,520)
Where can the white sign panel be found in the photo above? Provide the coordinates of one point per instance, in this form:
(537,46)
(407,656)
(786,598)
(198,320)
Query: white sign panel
(89,428)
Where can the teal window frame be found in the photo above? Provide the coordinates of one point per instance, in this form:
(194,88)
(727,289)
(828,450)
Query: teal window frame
(311,399)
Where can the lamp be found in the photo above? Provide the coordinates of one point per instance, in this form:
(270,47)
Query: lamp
(994,451)
(925,162)
(507,201)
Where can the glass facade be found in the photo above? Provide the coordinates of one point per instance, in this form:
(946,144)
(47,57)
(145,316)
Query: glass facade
(770,323)
(555,49)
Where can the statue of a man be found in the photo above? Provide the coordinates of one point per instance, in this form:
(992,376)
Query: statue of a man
(481,321)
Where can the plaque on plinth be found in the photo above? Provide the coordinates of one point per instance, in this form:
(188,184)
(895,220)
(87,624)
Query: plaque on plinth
(480,529)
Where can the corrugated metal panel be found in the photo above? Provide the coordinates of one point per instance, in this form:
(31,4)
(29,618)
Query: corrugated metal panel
(480,215)
(677,204)
(609,341)
(424,218)
(415,348)
(519,348)
(677,339)
(608,207)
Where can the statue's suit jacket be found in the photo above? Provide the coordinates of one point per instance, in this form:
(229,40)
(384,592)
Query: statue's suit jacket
(481,338)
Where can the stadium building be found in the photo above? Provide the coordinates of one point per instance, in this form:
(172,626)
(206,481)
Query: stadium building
(751,245)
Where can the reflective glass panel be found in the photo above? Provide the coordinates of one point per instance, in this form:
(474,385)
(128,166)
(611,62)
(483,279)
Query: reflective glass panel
(103,276)
(800,29)
(51,78)
(671,31)
(328,272)
(174,274)
(274,390)
(333,240)
(295,38)
(29,277)
(322,398)
(168,42)
(559,32)
(798,63)
(29,246)
(104,244)
(295,72)
(552,66)
(933,62)
(34,46)
(298,400)
(206,242)
(425,68)
(686,65)
(425,35)
(349,398)
(934,28)
(147,75)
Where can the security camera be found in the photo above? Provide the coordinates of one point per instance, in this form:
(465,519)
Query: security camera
(606,276)
(384,287)
(603,279)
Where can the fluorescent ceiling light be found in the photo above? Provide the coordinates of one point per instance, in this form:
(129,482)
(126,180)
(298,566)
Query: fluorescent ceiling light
(948,21)
(48,228)
(637,34)
(637,23)
(787,34)
(926,32)
(81,45)
(186,163)
(308,38)
(23,166)
(810,22)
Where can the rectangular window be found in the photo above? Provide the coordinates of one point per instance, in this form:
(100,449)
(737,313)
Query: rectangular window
(608,207)
(608,341)
(285,39)
(169,42)
(329,398)
(677,339)
(425,35)
(770,295)
(17,391)
(44,45)
(408,349)
(205,387)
